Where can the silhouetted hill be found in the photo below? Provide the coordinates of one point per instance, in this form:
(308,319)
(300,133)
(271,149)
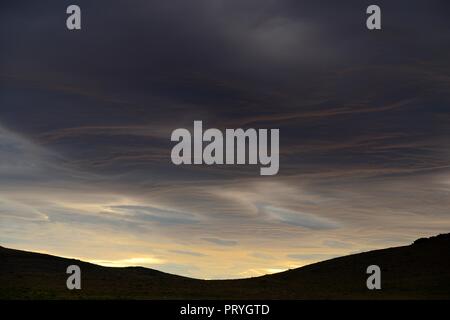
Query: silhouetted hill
(417,271)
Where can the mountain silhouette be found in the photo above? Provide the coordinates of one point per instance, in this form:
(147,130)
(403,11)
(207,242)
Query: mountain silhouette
(417,271)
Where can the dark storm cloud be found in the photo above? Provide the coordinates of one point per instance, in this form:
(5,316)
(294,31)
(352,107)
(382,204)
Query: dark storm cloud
(109,95)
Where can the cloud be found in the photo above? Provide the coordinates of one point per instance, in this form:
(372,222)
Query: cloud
(221,242)
(262,256)
(189,253)
(163,216)
(19,211)
(180,269)
(20,158)
(300,219)
(130,262)
(337,244)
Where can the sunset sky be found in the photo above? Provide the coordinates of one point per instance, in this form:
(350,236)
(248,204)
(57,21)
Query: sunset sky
(86,118)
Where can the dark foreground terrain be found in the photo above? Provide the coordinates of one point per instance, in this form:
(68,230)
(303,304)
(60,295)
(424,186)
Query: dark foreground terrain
(417,271)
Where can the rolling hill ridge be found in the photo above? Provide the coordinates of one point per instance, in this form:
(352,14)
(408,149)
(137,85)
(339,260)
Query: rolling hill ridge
(418,271)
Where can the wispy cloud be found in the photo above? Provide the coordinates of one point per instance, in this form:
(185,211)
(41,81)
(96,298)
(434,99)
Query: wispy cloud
(130,262)
(221,242)
(147,213)
(300,219)
(189,253)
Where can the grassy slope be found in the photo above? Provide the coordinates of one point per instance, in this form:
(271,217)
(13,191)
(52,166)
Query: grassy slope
(418,271)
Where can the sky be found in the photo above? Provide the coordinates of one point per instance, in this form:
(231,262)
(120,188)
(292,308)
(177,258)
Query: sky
(86,118)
